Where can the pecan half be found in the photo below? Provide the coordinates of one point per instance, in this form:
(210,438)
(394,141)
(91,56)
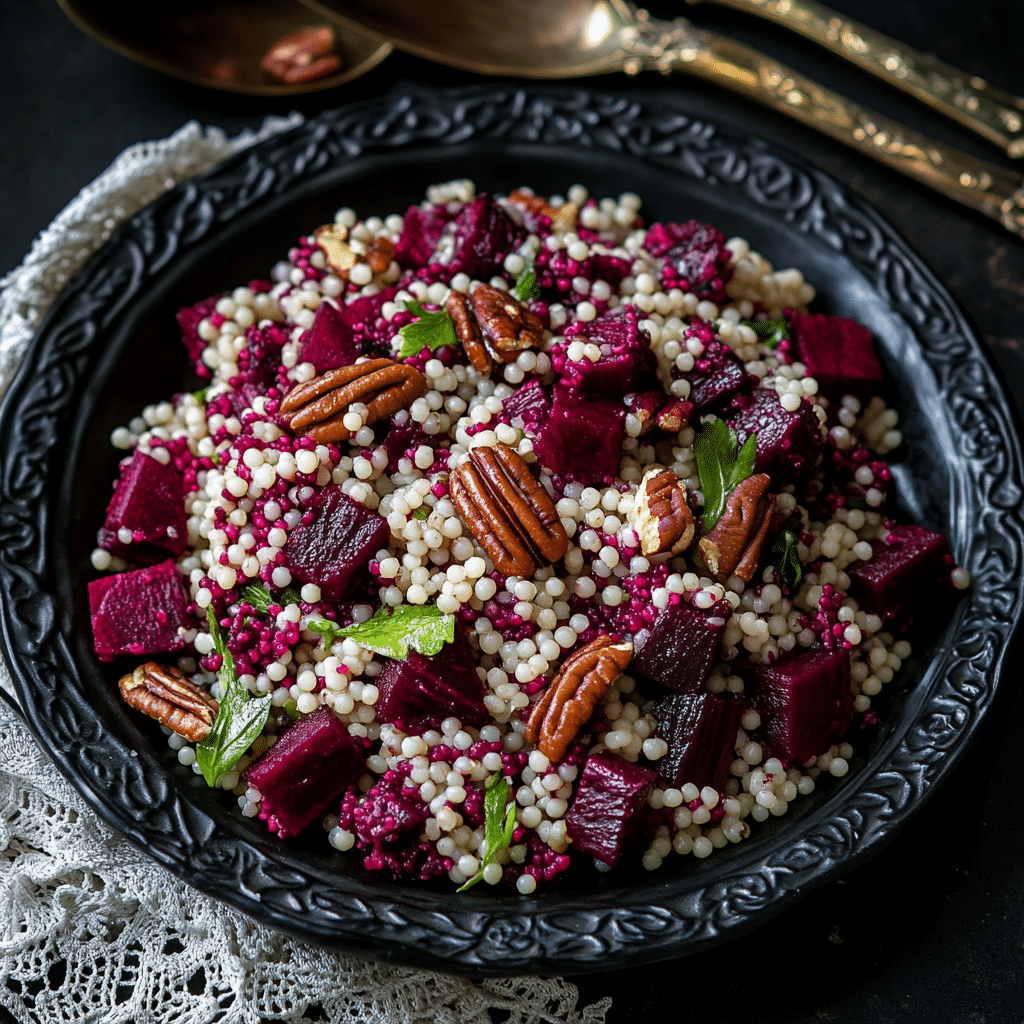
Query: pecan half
(318,406)
(570,699)
(507,326)
(302,56)
(563,218)
(733,545)
(164,693)
(468,332)
(661,516)
(509,513)
(379,254)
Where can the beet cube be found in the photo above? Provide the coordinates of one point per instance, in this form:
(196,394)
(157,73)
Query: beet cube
(696,258)
(334,543)
(329,343)
(484,235)
(700,730)
(403,436)
(532,404)
(626,356)
(305,772)
(838,353)
(371,333)
(419,692)
(910,565)
(609,805)
(804,700)
(583,435)
(682,645)
(139,612)
(146,518)
(789,444)
(421,231)
(717,377)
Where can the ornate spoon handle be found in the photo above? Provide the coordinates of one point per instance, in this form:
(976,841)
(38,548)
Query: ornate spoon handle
(679,46)
(991,113)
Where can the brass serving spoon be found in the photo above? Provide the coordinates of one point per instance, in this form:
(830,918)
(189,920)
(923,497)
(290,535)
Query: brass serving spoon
(569,38)
(221,43)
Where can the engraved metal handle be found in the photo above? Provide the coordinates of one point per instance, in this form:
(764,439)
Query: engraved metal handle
(991,113)
(679,46)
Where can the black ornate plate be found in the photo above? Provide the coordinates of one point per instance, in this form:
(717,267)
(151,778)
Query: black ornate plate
(109,345)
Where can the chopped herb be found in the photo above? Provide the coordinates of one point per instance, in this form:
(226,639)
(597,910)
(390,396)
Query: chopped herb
(720,466)
(784,557)
(261,599)
(526,284)
(771,332)
(291,709)
(200,395)
(431,330)
(499,824)
(423,512)
(239,720)
(392,632)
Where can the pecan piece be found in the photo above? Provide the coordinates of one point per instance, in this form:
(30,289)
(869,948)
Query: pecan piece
(661,516)
(164,693)
(302,56)
(507,326)
(563,218)
(570,699)
(468,332)
(332,238)
(507,510)
(733,545)
(318,406)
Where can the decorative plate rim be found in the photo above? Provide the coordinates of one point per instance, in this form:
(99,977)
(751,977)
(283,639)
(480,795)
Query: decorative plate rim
(483,934)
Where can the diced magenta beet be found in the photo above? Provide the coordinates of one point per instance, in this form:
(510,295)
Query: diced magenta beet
(329,343)
(626,357)
(334,543)
(390,810)
(258,362)
(139,612)
(696,258)
(484,235)
(717,377)
(655,409)
(681,646)
(370,331)
(189,318)
(149,503)
(910,565)
(583,435)
(302,776)
(804,700)
(419,692)
(532,404)
(838,353)
(401,437)
(610,802)
(701,731)
(241,397)
(421,231)
(789,444)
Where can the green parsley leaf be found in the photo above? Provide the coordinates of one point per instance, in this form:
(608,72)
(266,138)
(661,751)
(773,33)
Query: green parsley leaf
(499,824)
(239,720)
(200,395)
(771,332)
(261,599)
(784,557)
(423,512)
(392,632)
(526,284)
(431,330)
(720,466)
(291,709)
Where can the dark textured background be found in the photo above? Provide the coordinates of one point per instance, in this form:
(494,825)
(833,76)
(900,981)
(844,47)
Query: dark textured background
(932,930)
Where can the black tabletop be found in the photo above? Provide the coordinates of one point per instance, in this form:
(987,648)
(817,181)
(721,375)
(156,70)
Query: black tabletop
(932,929)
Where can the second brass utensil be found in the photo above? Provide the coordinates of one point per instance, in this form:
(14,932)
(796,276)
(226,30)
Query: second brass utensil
(585,37)
(989,112)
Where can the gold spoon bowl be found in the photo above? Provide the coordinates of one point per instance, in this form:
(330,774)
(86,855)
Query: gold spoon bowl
(221,43)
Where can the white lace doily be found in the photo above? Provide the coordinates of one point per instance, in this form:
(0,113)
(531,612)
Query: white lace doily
(90,928)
